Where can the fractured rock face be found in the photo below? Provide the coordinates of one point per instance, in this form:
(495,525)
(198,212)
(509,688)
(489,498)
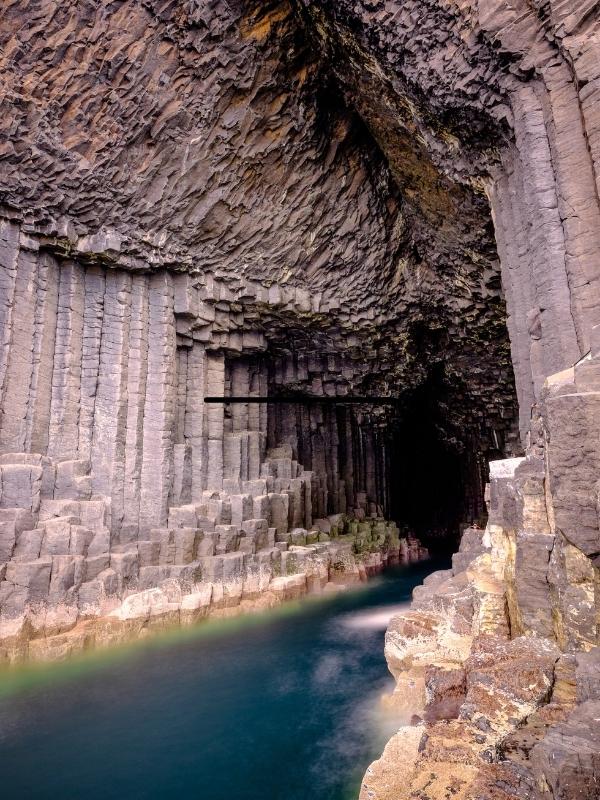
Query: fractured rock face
(359,197)
(513,711)
(209,231)
(569,755)
(454,92)
(73,575)
(257,172)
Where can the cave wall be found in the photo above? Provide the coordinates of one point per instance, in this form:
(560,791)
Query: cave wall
(111,368)
(116,477)
(190,206)
(349,197)
(329,197)
(496,663)
(505,94)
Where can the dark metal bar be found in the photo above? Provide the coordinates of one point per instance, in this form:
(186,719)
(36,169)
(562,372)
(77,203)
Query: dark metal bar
(306,398)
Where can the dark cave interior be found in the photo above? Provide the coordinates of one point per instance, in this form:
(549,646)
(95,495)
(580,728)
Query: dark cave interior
(436,482)
(413,460)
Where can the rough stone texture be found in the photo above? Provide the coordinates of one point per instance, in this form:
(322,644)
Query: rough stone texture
(333,197)
(255,171)
(60,603)
(69,564)
(133,454)
(499,658)
(506,93)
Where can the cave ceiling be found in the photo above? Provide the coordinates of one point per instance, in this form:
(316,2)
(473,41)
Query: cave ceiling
(286,143)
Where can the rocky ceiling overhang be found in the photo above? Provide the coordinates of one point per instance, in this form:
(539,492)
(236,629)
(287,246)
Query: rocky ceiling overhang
(317,147)
(500,93)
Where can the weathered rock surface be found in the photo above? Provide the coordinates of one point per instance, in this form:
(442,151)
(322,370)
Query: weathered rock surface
(70,580)
(190,208)
(330,197)
(499,658)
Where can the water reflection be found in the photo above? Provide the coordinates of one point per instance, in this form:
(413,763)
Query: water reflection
(281,708)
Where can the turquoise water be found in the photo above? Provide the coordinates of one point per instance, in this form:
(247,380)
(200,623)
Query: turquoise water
(279,707)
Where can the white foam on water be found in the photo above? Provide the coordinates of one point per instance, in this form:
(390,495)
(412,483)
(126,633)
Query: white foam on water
(374,620)
(365,726)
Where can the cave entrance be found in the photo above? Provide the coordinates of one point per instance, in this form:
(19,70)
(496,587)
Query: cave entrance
(415,464)
(436,471)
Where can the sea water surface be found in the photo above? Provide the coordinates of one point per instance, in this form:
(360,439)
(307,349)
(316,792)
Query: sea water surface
(282,706)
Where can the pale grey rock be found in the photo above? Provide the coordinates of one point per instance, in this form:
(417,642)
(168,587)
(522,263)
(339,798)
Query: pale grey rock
(32,575)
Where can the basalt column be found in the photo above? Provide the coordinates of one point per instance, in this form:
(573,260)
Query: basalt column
(126,495)
(347,459)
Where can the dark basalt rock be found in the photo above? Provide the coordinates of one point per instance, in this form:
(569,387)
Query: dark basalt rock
(324,198)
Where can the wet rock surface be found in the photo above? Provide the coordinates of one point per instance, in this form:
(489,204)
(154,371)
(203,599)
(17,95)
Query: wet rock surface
(497,660)
(68,584)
